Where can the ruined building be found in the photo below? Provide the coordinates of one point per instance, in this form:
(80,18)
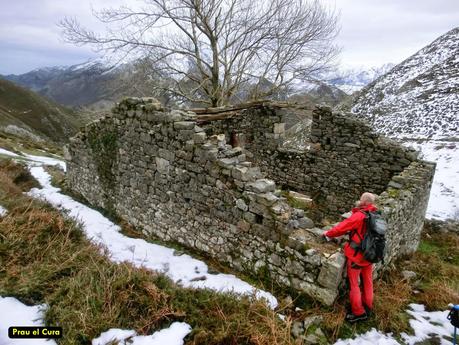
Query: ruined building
(223,182)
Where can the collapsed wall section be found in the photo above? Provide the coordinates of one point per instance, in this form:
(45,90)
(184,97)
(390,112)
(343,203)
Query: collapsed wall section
(342,157)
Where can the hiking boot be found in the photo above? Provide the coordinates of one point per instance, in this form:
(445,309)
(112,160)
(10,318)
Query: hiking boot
(368,311)
(351,318)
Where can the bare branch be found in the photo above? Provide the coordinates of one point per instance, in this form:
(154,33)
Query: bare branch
(212,50)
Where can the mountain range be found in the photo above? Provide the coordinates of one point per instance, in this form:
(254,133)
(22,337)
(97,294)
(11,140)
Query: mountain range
(93,85)
(96,85)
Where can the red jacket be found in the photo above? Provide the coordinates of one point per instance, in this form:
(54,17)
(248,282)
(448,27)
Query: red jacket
(355,222)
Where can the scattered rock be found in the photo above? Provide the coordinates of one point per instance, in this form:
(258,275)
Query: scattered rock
(297,329)
(305,222)
(312,320)
(409,275)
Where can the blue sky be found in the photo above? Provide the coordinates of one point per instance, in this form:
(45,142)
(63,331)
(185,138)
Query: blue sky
(373,32)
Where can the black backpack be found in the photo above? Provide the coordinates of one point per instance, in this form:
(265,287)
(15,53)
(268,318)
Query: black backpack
(373,243)
(453,316)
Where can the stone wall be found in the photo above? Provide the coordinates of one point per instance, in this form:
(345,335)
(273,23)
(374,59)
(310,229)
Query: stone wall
(404,204)
(164,174)
(342,159)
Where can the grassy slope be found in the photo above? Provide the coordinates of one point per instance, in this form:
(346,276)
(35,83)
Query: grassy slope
(44,258)
(27,109)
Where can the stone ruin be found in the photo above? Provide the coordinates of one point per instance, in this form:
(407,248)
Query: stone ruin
(222,182)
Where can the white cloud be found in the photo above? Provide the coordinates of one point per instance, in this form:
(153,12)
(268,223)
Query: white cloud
(376,32)
(373,32)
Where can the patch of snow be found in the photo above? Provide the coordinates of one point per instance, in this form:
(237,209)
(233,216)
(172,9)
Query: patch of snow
(15,313)
(46,161)
(372,337)
(38,160)
(3,211)
(425,325)
(182,269)
(169,336)
(112,335)
(8,153)
(444,195)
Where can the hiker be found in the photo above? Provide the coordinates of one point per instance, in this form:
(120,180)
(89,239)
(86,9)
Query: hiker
(357,266)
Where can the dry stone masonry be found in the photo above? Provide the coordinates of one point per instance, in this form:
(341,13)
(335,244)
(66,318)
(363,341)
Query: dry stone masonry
(173,174)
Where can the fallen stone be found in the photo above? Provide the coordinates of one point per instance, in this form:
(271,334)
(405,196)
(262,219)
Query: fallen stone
(314,320)
(409,275)
(305,222)
(318,337)
(302,198)
(316,232)
(181,125)
(261,186)
(297,329)
(242,205)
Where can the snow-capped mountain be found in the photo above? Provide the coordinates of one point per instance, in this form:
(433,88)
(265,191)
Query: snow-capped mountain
(417,102)
(83,84)
(98,83)
(419,98)
(352,80)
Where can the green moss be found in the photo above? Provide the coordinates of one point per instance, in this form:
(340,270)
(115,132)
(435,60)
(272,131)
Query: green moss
(104,148)
(393,193)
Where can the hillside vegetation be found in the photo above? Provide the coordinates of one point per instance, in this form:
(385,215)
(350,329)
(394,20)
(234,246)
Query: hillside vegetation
(27,114)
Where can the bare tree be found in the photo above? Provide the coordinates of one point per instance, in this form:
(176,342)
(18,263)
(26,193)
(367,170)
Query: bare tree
(210,49)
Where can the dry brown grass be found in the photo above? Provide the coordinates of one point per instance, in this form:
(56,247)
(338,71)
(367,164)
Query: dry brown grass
(15,174)
(437,264)
(438,295)
(8,187)
(392,296)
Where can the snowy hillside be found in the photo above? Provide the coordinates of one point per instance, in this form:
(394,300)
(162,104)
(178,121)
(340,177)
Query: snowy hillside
(444,196)
(419,98)
(418,102)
